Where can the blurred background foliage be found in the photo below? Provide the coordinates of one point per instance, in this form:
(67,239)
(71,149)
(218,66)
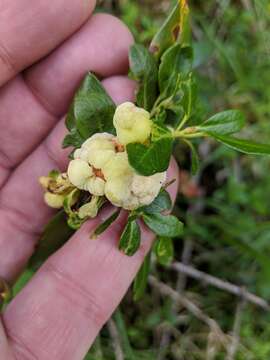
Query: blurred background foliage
(225,207)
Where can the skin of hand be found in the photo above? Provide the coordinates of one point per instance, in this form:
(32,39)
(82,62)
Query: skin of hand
(45,50)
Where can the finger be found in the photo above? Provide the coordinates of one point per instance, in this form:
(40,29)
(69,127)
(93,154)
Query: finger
(31,29)
(60,312)
(101,46)
(23,213)
(33,105)
(5,349)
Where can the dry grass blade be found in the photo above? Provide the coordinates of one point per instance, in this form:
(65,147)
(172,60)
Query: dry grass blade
(192,308)
(119,355)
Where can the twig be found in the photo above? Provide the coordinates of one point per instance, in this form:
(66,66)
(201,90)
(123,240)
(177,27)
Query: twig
(180,287)
(232,348)
(121,327)
(164,343)
(212,347)
(186,257)
(220,284)
(96,349)
(247,5)
(116,340)
(190,306)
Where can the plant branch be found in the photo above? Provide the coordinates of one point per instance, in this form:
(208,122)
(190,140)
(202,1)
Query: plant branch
(191,307)
(232,348)
(220,284)
(121,327)
(119,355)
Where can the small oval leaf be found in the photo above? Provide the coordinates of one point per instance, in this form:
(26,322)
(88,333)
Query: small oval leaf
(161,203)
(168,226)
(131,238)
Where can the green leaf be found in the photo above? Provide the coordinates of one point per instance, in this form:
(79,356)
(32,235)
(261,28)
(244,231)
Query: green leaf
(71,199)
(176,28)
(152,159)
(168,226)
(56,234)
(131,238)
(226,122)
(244,146)
(91,111)
(161,203)
(189,88)
(140,281)
(176,61)
(159,130)
(22,281)
(54,174)
(104,226)
(73,220)
(144,69)
(164,250)
(73,139)
(194,157)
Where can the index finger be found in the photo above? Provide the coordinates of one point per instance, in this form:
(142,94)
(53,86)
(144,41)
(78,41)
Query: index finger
(30,29)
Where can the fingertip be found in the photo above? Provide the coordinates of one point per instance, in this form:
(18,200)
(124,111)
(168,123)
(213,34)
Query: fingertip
(120,88)
(90,7)
(100,46)
(121,38)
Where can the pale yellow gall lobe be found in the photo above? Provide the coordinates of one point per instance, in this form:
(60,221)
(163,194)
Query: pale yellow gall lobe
(82,175)
(124,188)
(116,190)
(146,188)
(79,172)
(97,150)
(132,124)
(44,181)
(118,166)
(55,201)
(96,186)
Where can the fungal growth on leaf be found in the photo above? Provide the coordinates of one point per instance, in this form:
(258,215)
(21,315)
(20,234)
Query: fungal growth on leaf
(100,166)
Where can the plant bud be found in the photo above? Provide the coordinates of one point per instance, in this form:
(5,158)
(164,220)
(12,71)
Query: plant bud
(132,123)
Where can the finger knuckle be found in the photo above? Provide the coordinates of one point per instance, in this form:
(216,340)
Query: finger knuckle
(78,295)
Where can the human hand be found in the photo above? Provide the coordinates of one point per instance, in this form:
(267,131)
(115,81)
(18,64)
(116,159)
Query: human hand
(45,50)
